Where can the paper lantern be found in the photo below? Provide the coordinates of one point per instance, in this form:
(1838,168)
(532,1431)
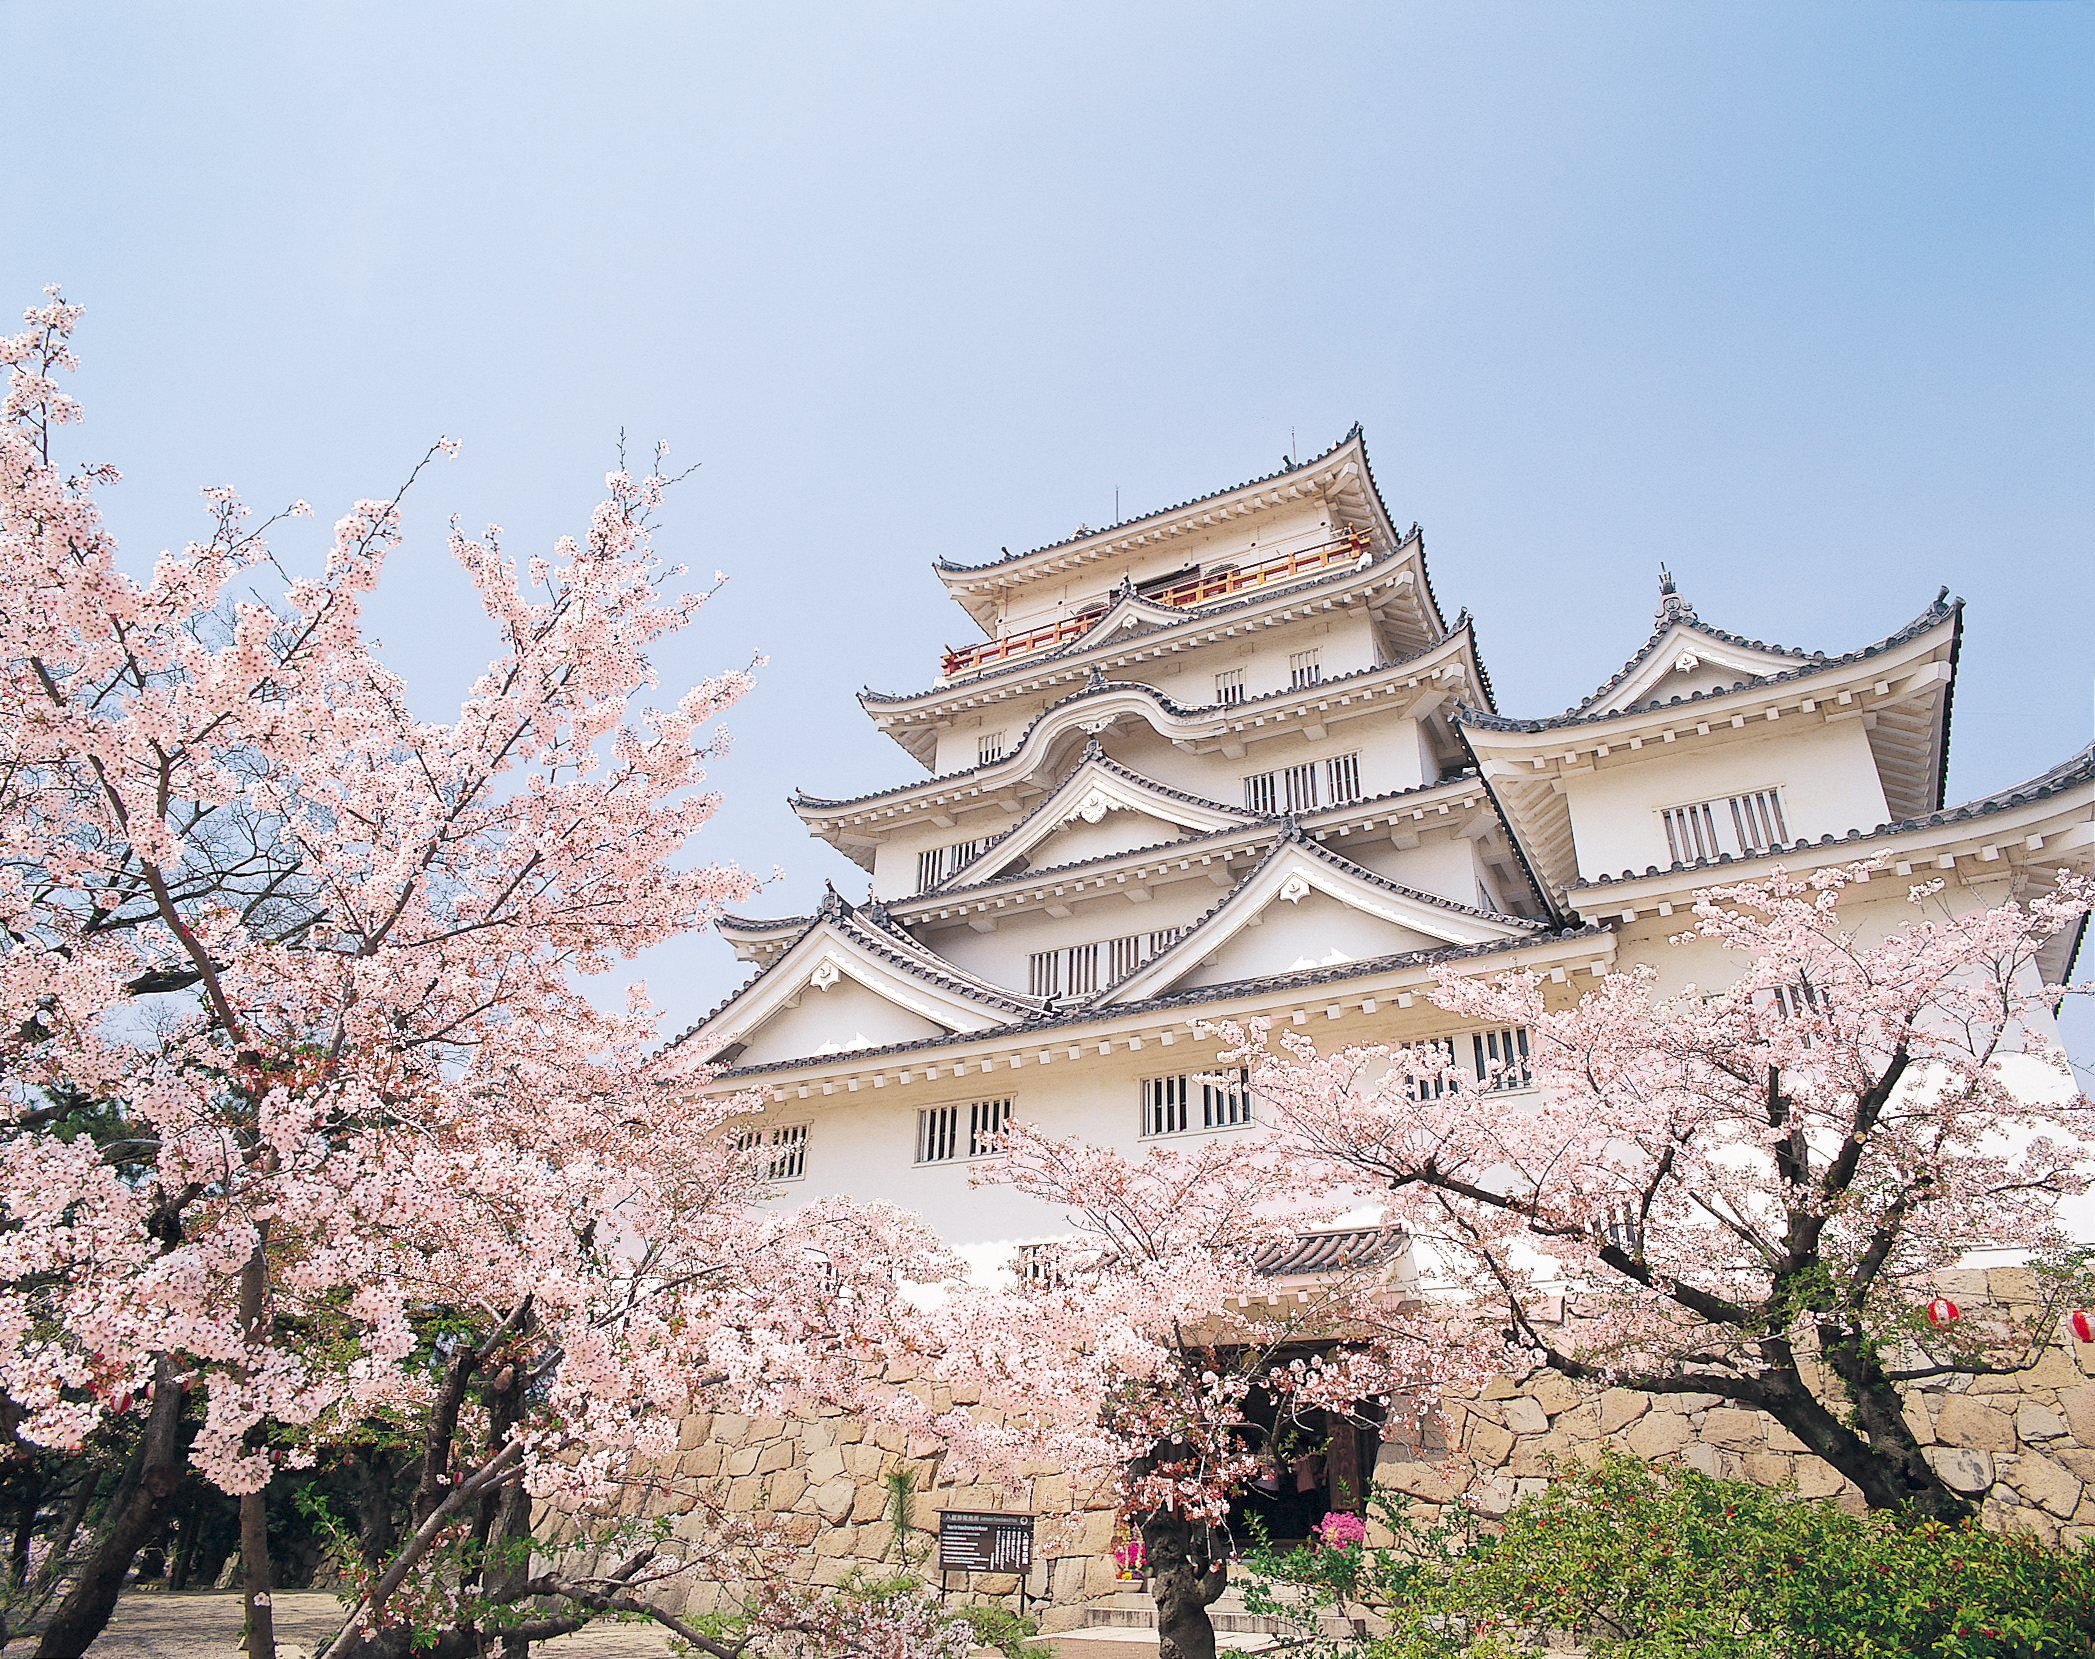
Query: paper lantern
(1941,1311)
(2083,1326)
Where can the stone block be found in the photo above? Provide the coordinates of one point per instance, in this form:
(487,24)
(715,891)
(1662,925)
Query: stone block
(1581,1422)
(1525,1416)
(2046,1485)
(1732,1428)
(1962,1469)
(2055,1368)
(743,1460)
(995,1584)
(1619,1407)
(778,1455)
(1918,1422)
(816,1437)
(1688,1404)
(766,1428)
(1499,1388)
(786,1487)
(1488,1443)
(967,1394)
(1779,1438)
(1425,1481)
(835,1499)
(870,1504)
(1553,1392)
(692,1431)
(2035,1422)
(704,1462)
(745,1496)
(1816,1478)
(889,1437)
(1768,1468)
(2011,1284)
(2077,1406)
(1657,1434)
(2077,1458)
(1975,1427)
(1702,1458)
(825,1465)
(1536,1456)
(729,1428)
(864,1462)
(1493,1497)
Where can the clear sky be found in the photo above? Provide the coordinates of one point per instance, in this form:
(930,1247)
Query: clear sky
(1796,299)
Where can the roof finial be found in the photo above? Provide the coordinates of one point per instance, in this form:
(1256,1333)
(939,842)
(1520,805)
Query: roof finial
(1097,681)
(1672,607)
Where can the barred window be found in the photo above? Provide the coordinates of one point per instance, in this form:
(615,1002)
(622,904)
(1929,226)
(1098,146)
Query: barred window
(1498,1060)
(1791,1001)
(1229,686)
(1074,970)
(1305,669)
(944,1131)
(1342,772)
(1738,824)
(989,747)
(1171,1105)
(1291,789)
(788,1160)
(934,865)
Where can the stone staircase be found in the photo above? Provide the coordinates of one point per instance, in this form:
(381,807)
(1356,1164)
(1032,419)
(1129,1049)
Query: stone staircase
(1133,1611)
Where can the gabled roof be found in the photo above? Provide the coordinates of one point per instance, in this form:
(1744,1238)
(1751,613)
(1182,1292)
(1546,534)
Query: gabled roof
(843,940)
(1208,720)
(1341,475)
(1676,626)
(1600,938)
(1294,867)
(1096,785)
(1334,1251)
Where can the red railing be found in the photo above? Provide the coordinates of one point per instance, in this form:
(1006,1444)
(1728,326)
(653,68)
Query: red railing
(1198,591)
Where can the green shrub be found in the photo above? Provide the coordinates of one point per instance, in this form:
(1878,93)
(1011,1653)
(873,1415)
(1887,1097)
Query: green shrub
(1636,1563)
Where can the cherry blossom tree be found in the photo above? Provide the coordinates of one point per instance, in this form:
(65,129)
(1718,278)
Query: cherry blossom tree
(1747,1191)
(1128,1351)
(312,1126)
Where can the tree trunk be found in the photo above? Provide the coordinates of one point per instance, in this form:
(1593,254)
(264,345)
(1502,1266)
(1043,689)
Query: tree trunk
(371,1475)
(25,1527)
(191,1525)
(134,1516)
(84,1483)
(255,1577)
(1185,1580)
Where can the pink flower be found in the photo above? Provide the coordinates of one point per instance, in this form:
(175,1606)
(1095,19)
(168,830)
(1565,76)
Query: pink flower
(1341,1530)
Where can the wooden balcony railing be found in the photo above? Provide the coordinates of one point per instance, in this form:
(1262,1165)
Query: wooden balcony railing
(1199,590)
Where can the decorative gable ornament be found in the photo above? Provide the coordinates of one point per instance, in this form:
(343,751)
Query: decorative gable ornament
(826,974)
(1094,806)
(1686,663)
(1295,889)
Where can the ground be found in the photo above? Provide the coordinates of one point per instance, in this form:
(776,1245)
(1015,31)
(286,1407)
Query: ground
(205,1624)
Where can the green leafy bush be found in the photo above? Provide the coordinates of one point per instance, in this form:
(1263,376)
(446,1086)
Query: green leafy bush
(1639,1563)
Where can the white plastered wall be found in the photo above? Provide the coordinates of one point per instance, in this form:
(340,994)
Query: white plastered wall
(1315,931)
(845,1016)
(1826,773)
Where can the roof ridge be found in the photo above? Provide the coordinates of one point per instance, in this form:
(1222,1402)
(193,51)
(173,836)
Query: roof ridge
(1159,512)
(1814,663)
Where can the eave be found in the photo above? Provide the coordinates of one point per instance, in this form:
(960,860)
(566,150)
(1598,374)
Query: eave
(1417,687)
(1341,477)
(1364,988)
(1899,690)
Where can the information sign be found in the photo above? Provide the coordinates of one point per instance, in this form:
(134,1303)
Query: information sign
(984,1541)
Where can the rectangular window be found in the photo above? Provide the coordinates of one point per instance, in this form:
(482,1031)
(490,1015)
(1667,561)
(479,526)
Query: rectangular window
(1172,1105)
(945,1133)
(1229,687)
(1738,824)
(1074,970)
(940,862)
(986,1120)
(1342,772)
(938,1134)
(1498,1060)
(1502,1058)
(1305,669)
(1291,789)
(788,1160)
(989,747)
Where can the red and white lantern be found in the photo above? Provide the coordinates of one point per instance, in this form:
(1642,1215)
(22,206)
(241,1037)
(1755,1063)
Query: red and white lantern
(2083,1326)
(1941,1311)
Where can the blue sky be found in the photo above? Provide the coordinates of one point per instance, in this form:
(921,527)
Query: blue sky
(1796,299)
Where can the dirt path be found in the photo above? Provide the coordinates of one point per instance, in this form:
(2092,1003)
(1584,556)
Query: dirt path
(205,1624)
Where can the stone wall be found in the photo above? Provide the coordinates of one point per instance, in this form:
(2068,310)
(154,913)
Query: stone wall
(2025,1445)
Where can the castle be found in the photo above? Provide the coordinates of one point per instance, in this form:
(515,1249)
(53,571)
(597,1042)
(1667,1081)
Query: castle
(1230,759)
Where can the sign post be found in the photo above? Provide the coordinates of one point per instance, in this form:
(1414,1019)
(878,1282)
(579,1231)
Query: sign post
(985,1541)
